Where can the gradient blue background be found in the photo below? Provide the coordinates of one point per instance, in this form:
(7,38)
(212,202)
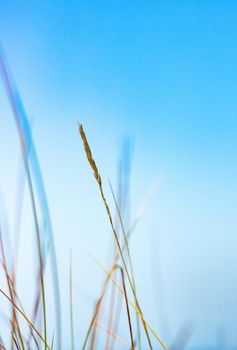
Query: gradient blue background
(163,73)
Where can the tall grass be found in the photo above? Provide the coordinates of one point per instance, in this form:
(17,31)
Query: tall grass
(120,276)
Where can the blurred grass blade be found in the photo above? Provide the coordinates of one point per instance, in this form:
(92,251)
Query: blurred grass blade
(71,303)
(25,137)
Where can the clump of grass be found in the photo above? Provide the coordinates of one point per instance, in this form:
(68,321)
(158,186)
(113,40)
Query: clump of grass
(121,267)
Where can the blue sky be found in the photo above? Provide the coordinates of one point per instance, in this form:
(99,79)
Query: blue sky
(163,73)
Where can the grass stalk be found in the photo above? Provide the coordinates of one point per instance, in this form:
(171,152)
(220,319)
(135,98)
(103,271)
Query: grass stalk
(99,182)
(109,275)
(26,318)
(71,303)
